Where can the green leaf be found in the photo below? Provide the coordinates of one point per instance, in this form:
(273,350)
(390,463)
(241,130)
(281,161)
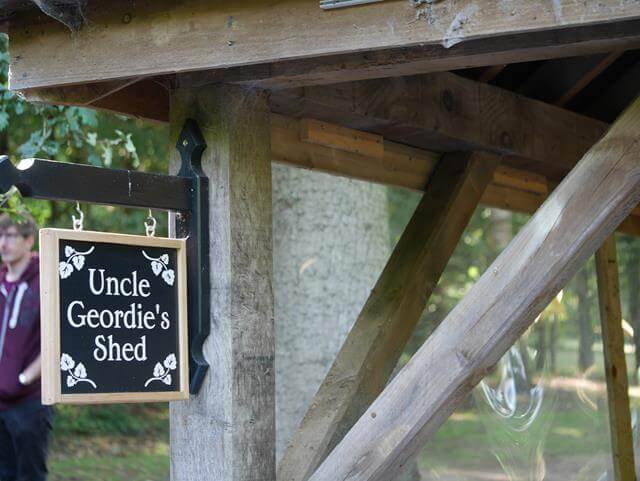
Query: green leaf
(88,117)
(94,159)
(92,138)
(4,120)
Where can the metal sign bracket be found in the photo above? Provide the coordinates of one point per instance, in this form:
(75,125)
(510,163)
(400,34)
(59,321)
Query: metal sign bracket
(186,193)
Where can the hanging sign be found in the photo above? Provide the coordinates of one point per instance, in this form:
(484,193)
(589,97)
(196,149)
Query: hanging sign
(114,322)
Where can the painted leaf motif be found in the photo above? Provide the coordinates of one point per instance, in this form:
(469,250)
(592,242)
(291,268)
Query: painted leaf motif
(165,258)
(80,371)
(66,362)
(156,267)
(78,261)
(158,370)
(170,361)
(169,276)
(167,379)
(65,269)
(71,381)
(69,251)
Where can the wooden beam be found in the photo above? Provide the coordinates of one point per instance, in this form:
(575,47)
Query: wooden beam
(558,81)
(165,36)
(142,98)
(615,96)
(615,362)
(400,165)
(407,167)
(445,112)
(585,209)
(376,341)
(227,431)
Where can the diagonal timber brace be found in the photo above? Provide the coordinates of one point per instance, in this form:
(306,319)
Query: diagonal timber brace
(187,194)
(376,341)
(573,222)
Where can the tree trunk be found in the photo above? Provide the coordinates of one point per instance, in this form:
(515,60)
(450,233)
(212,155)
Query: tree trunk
(633,284)
(331,242)
(585,326)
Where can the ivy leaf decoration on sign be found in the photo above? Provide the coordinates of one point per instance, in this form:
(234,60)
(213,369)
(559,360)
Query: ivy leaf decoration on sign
(65,270)
(66,362)
(170,361)
(160,373)
(158,370)
(80,371)
(77,375)
(161,265)
(78,261)
(74,259)
(169,276)
(156,267)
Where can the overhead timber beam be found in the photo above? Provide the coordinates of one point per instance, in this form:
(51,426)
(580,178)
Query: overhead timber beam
(373,346)
(141,98)
(126,39)
(446,112)
(579,215)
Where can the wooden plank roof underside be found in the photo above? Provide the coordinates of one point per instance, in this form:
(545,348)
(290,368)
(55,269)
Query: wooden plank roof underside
(589,69)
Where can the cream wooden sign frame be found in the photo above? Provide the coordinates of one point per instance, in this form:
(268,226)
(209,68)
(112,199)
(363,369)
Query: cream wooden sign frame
(51,321)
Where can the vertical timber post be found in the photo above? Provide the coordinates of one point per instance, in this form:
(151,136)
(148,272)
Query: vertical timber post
(614,362)
(227,431)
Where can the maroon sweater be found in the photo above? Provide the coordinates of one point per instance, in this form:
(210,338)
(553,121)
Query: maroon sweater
(19,334)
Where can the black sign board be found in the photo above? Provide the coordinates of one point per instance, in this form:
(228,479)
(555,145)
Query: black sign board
(113,311)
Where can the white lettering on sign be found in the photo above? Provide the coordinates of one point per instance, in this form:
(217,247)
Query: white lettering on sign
(133,316)
(109,350)
(118,287)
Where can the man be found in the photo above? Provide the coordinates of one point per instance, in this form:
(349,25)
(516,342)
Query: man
(24,423)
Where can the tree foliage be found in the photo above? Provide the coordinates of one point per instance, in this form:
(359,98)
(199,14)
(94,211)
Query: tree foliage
(78,135)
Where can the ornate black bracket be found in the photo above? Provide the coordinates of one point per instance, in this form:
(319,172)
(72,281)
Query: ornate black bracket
(186,193)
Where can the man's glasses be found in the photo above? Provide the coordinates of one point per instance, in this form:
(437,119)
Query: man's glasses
(10,236)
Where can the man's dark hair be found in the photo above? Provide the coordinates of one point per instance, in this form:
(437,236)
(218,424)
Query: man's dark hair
(26,225)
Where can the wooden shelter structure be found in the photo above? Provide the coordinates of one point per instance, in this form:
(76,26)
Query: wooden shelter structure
(507,103)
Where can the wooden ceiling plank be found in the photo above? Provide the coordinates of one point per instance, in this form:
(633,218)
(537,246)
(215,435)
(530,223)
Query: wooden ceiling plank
(166,37)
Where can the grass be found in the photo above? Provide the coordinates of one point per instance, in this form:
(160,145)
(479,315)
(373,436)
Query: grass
(124,442)
(131,442)
(141,467)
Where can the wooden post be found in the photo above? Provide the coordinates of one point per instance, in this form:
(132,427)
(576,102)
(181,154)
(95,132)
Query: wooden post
(615,362)
(227,431)
(573,222)
(372,348)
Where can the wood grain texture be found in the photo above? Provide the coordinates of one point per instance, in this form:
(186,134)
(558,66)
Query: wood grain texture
(374,344)
(125,39)
(445,112)
(227,431)
(404,61)
(614,362)
(408,167)
(573,222)
(341,138)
